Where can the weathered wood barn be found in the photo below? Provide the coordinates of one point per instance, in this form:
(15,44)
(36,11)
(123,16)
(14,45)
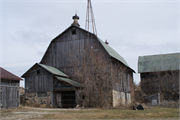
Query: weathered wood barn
(160,74)
(9,89)
(52,81)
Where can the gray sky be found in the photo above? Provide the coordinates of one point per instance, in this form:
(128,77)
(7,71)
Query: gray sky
(133,28)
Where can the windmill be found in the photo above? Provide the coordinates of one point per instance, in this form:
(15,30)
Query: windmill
(90,21)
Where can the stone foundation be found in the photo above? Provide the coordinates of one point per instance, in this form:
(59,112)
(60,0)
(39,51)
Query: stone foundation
(31,99)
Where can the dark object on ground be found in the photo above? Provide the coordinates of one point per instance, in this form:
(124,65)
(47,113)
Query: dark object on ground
(140,107)
(133,108)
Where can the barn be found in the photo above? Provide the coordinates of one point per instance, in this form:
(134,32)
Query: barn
(160,74)
(9,89)
(53,81)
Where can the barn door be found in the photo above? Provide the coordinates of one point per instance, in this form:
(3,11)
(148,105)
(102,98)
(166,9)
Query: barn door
(58,100)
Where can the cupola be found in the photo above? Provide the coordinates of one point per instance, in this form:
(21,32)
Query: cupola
(75,18)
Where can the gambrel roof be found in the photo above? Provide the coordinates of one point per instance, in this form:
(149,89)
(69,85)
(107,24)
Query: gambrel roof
(155,63)
(113,53)
(109,50)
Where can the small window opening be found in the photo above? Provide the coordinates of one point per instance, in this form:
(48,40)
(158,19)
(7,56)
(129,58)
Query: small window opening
(38,71)
(44,94)
(73,32)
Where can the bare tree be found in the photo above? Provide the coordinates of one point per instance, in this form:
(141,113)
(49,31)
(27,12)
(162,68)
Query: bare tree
(93,70)
(165,82)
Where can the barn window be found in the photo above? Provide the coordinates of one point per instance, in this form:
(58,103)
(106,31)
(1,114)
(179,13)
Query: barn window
(38,71)
(43,94)
(73,32)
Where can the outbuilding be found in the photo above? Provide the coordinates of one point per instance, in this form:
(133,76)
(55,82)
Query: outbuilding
(160,74)
(9,89)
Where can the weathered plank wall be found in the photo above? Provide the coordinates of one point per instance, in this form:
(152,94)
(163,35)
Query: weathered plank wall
(122,77)
(9,91)
(63,49)
(38,82)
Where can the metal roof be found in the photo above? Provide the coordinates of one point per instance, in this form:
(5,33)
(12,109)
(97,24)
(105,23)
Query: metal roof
(53,70)
(8,75)
(113,53)
(67,80)
(163,62)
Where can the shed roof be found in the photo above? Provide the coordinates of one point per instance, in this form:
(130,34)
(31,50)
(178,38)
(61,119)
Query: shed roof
(53,70)
(71,82)
(57,74)
(163,62)
(8,75)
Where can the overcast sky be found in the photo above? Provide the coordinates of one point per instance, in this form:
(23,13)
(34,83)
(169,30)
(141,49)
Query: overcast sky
(132,28)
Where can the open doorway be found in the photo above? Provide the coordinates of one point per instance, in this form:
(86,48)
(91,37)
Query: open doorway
(68,99)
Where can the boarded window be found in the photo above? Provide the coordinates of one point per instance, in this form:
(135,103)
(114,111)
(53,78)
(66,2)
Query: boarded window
(44,94)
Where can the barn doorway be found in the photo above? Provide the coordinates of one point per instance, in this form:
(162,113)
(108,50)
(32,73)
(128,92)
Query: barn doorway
(68,99)
(58,100)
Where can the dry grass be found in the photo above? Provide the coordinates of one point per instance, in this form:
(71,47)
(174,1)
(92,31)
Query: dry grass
(31,113)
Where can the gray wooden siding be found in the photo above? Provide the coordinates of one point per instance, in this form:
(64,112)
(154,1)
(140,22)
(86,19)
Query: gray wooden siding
(9,90)
(61,51)
(42,82)
(121,77)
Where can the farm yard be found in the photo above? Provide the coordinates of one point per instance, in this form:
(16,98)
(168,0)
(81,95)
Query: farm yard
(49,113)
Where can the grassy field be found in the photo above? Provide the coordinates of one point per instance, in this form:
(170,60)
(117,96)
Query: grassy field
(42,113)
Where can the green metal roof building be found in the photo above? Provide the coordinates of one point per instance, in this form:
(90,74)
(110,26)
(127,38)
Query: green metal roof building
(160,73)
(162,62)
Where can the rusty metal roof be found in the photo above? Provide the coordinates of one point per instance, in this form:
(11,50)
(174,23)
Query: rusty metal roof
(8,75)
(163,62)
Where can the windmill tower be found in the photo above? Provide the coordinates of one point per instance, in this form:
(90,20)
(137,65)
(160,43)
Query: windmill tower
(90,21)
